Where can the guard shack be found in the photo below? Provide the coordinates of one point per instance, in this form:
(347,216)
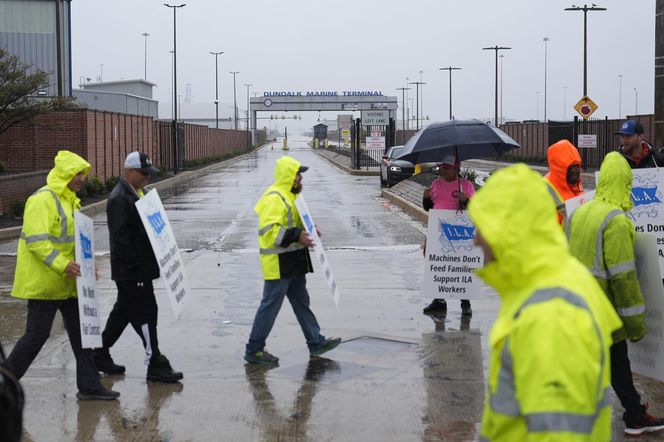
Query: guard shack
(320,135)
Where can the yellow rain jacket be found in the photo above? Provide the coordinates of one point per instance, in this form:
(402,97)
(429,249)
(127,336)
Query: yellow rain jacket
(279,226)
(602,237)
(549,369)
(46,244)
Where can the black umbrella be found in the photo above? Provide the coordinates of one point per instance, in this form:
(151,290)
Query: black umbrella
(466,139)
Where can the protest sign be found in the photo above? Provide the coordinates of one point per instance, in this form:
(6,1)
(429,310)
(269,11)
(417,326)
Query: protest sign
(646,356)
(86,284)
(451,258)
(310,227)
(162,239)
(574,203)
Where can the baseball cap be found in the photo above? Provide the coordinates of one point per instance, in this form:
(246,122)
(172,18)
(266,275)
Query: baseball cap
(631,127)
(303,169)
(139,160)
(450,160)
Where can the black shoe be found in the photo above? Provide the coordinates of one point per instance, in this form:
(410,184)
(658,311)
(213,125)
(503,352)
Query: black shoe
(465,308)
(104,363)
(261,357)
(160,370)
(437,305)
(99,394)
(327,345)
(644,424)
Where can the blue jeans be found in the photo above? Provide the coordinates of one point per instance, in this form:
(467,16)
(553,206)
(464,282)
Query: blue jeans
(274,291)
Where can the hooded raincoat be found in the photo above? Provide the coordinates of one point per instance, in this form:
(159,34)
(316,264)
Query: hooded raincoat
(279,226)
(602,237)
(561,156)
(46,244)
(549,369)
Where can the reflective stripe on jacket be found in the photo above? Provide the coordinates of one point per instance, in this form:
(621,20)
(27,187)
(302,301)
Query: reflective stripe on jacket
(602,237)
(46,244)
(277,215)
(549,366)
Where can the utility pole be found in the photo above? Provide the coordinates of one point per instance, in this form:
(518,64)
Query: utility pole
(496,48)
(248,129)
(403,108)
(174,129)
(585,10)
(216,86)
(450,69)
(145,56)
(417,100)
(234,99)
(58,47)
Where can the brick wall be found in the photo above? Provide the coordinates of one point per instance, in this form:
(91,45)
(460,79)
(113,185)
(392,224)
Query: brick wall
(18,187)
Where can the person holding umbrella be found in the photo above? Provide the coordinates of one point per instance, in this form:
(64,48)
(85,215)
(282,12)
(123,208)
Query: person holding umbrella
(448,192)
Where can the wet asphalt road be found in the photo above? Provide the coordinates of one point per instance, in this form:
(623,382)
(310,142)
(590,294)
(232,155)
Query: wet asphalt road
(398,376)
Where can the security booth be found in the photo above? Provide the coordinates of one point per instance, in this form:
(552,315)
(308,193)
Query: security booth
(320,135)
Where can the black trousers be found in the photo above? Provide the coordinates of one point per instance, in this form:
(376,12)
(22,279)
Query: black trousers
(38,327)
(136,305)
(622,382)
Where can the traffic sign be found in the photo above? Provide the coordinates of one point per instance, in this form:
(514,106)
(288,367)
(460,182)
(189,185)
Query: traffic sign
(375,117)
(587,141)
(585,107)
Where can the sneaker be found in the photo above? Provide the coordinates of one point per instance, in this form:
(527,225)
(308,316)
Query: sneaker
(465,308)
(99,394)
(160,370)
(645,424)
(327,345)
(261,357)
(437,305)
(105,364)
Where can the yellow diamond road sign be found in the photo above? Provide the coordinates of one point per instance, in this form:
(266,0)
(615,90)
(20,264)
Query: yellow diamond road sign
(585,107)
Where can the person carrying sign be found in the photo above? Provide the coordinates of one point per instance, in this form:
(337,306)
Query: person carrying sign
(638,153)
(285,261)
(602,237)
(46,273)
(564,177)
(451,192)
(549,372)
(133,267)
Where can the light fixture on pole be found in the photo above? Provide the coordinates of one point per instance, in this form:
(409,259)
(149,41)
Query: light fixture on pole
(145,56)
(174,137)
(585,10)
(216,87)
(546,46)
(234,99)
(450,69)
(496,48)
(417,100)
(403,107)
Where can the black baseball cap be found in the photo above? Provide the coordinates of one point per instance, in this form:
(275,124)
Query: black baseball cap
(631,127)
(303,169)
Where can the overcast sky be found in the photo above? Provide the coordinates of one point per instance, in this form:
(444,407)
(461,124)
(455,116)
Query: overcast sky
(310,45)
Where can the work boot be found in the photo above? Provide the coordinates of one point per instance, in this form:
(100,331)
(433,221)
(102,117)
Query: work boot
(105,364)
(327,345)
(465,308)
(437,305)
(261,357)
(98,394)
(160,370)
(644,424)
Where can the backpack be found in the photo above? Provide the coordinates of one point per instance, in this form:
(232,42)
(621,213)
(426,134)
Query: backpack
(11,403)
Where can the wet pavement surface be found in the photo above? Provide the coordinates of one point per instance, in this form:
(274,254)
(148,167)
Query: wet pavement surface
(398,376)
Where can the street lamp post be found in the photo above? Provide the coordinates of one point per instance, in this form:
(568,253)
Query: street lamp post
(417,101)
(174,136)
(585,10)
(216,87)
(496,48)
(403,107)
(248,85)
(450,69)
(234,99)
(145,56)
(546,44)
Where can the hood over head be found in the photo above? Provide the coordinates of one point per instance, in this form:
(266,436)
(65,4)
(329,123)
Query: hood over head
(67,166)
(561,155)
(516,215)
(615,181)
(285,171)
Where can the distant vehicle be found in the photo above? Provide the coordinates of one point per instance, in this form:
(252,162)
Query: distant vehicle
(392,170)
